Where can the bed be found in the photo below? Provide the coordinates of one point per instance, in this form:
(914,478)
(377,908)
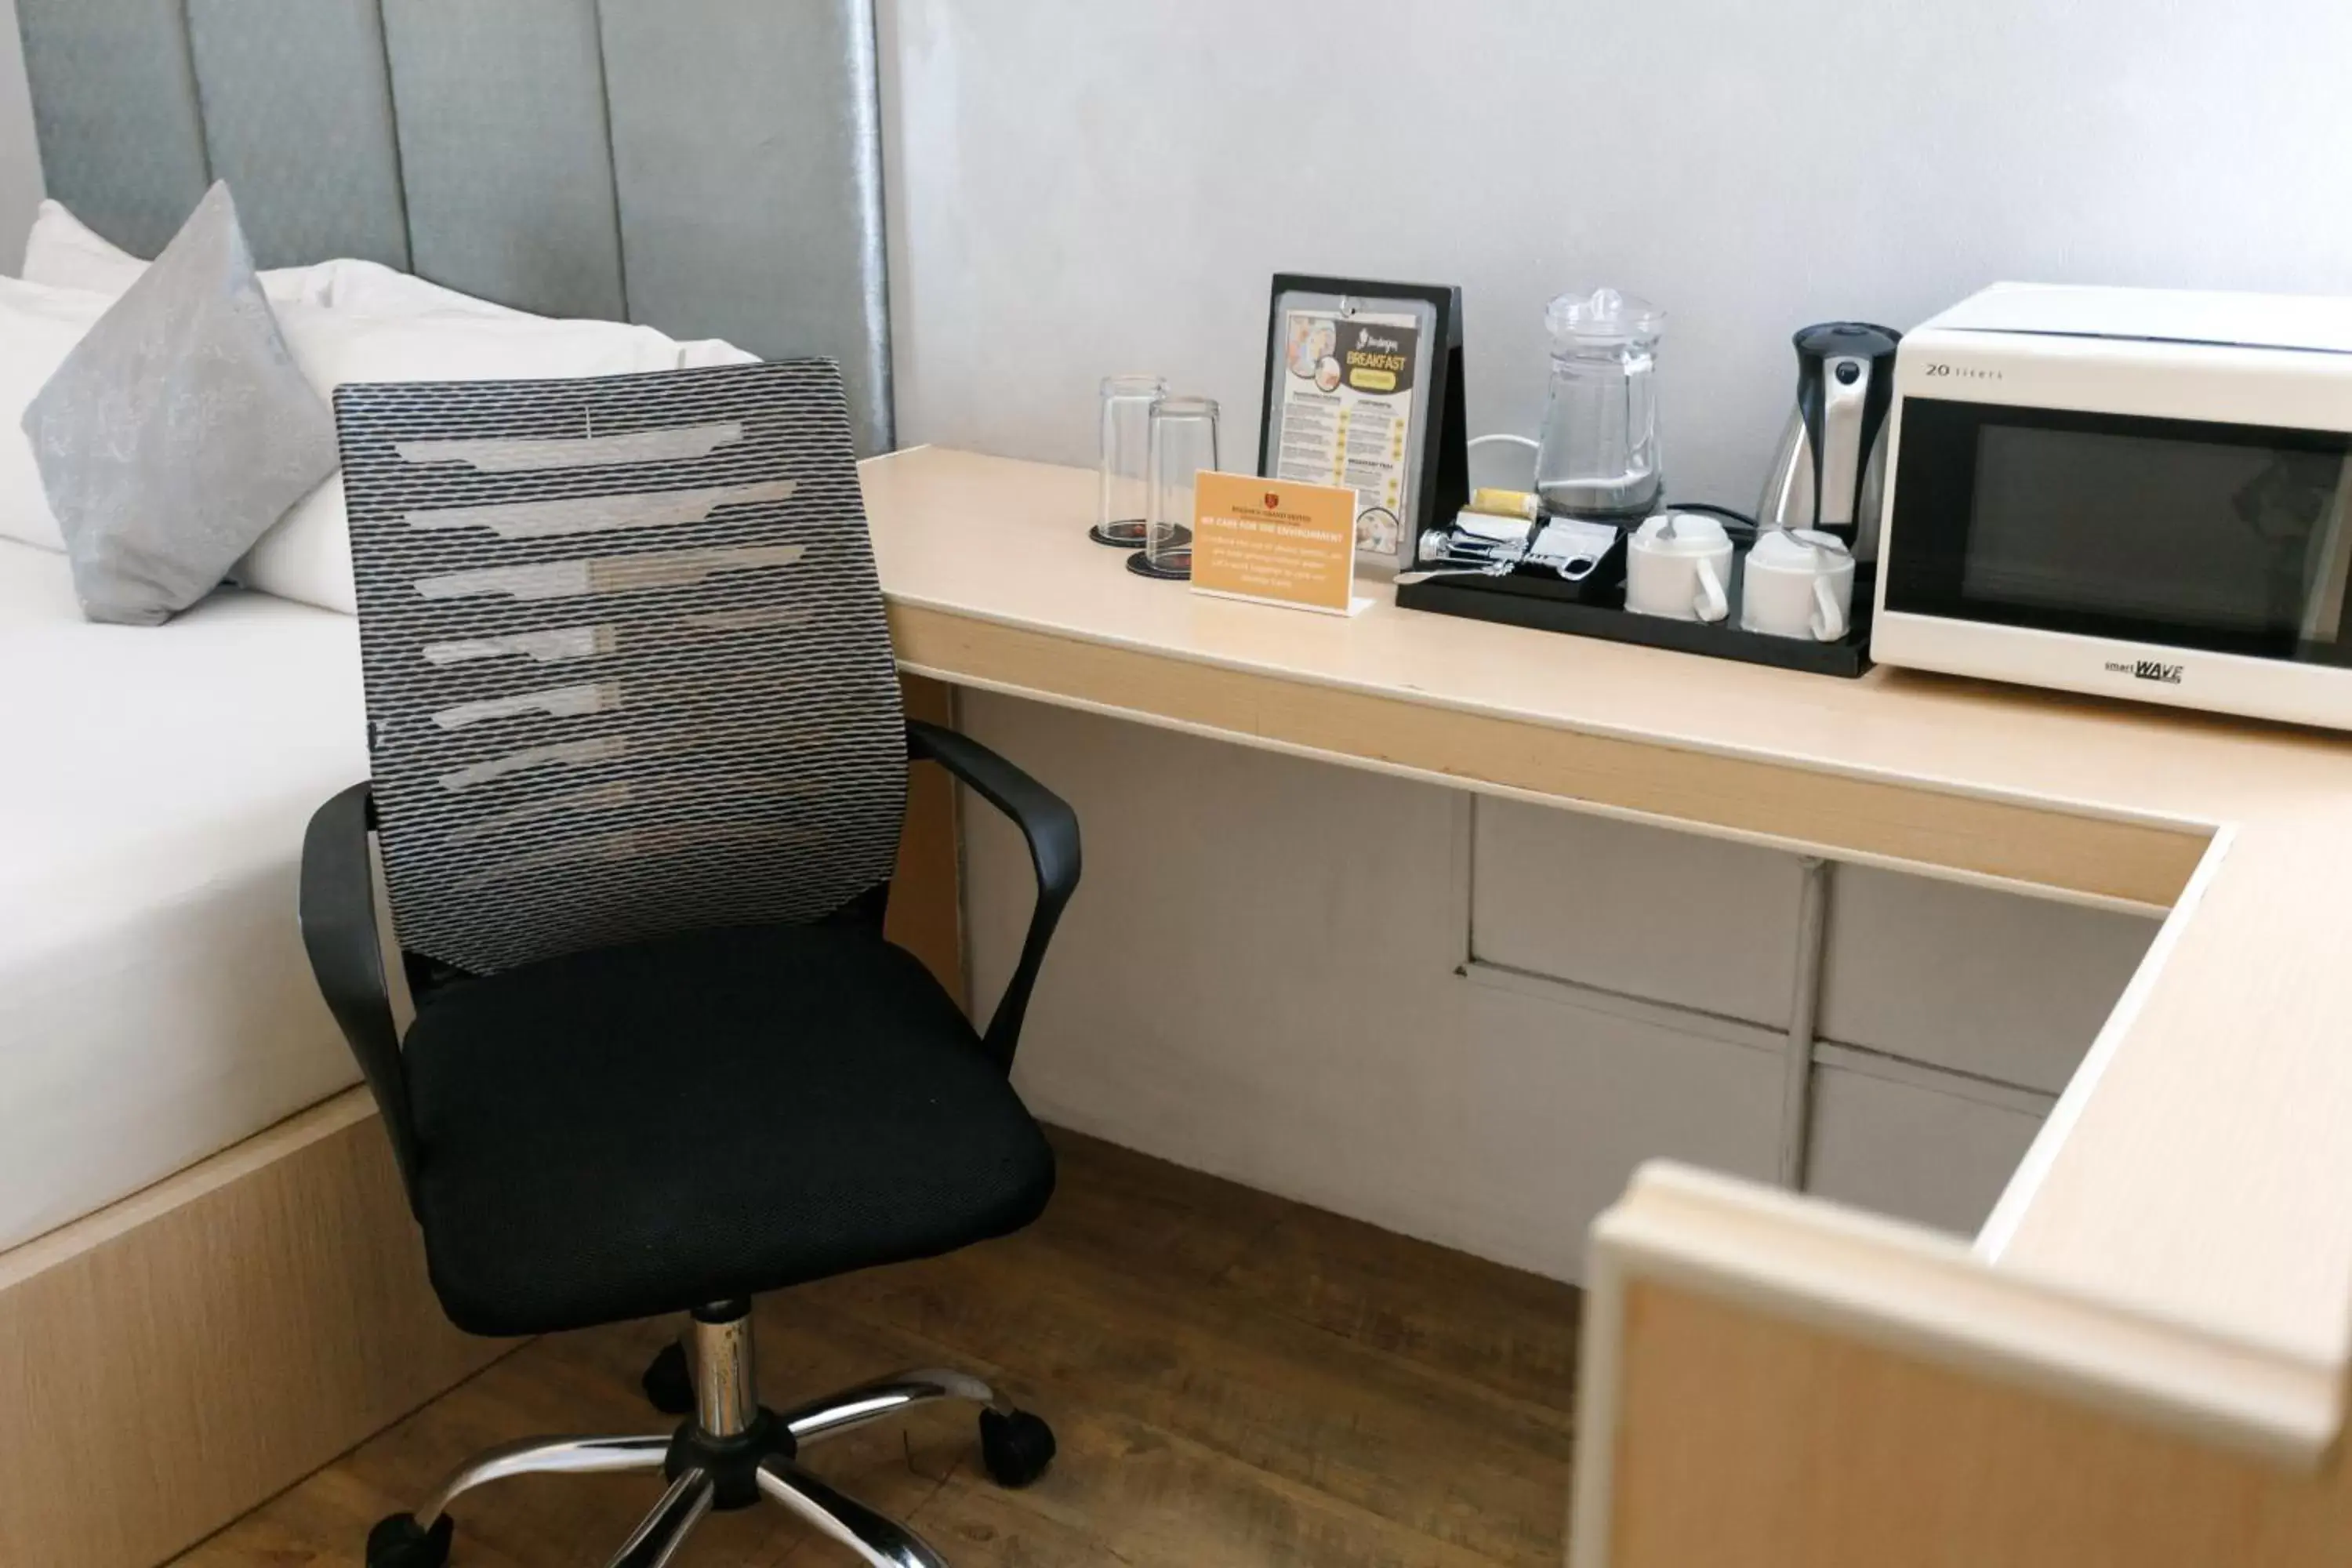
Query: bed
(157,1005)
(209,1284)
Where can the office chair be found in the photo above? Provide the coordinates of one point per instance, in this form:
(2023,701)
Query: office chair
(638,775)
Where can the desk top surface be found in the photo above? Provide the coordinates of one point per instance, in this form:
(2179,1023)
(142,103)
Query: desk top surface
(2198,1167)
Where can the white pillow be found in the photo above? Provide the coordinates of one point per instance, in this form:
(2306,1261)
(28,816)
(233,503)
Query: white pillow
(39,325)
(63,250)
(372,287)
(308,556)
(695,353)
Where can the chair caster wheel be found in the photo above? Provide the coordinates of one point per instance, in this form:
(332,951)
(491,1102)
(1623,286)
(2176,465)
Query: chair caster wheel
(1016,1448)
(668,1385)
(398,1542)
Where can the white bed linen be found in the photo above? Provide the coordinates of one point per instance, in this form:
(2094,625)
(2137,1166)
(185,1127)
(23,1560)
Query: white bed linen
(155,1004)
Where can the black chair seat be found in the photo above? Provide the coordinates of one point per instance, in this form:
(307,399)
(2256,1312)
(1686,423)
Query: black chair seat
(650,1128)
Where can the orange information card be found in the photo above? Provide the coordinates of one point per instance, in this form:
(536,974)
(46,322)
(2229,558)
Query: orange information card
(1276,541)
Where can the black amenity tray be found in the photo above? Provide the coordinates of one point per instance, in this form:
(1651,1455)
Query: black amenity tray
(1596,608)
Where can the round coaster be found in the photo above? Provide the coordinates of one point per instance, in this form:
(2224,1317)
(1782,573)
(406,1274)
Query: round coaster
(1122,535)
(1142,567)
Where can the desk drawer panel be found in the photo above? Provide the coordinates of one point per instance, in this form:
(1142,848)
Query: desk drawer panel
(1911,1147)
(1559,1099)
(1995,984)
(1671,917)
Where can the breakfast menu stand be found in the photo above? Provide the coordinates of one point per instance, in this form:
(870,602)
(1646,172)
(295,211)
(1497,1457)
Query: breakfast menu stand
(1434,465)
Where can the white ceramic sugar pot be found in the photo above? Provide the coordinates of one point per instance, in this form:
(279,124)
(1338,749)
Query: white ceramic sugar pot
(1799,583)
(1678,566)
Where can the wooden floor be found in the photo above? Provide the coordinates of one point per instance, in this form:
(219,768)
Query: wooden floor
(1236,1380)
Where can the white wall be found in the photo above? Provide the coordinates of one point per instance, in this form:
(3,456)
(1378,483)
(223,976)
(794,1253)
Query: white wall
(1083,187)
(20,160)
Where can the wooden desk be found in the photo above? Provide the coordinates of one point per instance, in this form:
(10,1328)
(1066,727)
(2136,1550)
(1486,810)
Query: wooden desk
(2172,1264)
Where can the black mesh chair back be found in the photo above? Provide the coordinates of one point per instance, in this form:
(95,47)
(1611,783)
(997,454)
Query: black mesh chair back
(627,667)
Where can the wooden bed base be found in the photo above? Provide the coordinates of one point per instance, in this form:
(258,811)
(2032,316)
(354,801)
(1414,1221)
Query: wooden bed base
(172,1360)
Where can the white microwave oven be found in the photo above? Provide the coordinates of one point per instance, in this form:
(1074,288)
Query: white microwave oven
(2132,492)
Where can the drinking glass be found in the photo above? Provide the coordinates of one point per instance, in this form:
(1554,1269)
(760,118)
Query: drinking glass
(1183,443)
(1125,491)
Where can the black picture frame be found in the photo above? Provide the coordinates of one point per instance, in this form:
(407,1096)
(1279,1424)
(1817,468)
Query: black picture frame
(1440,428)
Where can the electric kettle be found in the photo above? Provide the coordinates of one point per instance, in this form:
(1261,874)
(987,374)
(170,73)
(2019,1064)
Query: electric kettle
(1829,471)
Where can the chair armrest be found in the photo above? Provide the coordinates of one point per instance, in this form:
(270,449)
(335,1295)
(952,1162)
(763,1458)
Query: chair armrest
(339,929)
(1046,820)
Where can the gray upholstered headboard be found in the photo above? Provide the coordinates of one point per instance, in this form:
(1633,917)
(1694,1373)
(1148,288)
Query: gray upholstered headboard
(709,167)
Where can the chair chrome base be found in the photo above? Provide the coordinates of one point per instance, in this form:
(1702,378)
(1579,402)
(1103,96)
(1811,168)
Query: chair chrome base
(732,1453)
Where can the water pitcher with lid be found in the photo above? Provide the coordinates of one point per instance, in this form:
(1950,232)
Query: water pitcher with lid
(1599,453)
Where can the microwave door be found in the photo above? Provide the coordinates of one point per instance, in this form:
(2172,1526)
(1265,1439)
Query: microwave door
(2330,560)
(2164,532)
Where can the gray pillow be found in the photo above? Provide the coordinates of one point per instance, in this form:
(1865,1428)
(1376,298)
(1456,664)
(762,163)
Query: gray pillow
(178,430)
